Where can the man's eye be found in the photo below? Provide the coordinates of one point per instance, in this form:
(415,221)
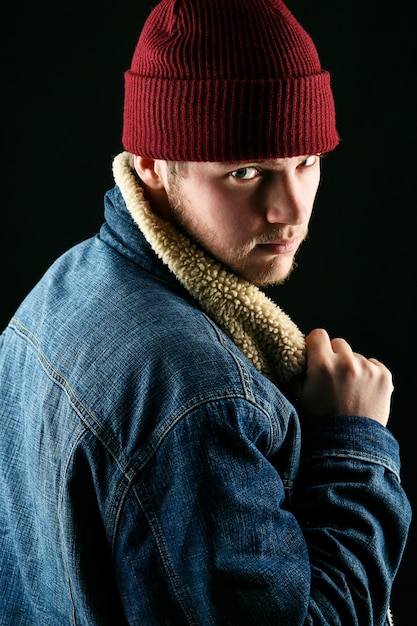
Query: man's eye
(310,160)
(245,173)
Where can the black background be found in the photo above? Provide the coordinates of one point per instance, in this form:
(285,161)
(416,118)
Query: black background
(62,97)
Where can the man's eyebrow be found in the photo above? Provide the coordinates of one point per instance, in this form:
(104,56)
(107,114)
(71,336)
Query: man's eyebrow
(272,162)
(264,162)
(269,162)
(238,164)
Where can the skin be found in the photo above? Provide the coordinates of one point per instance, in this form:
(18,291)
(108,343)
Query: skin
(253,216)
(269,205)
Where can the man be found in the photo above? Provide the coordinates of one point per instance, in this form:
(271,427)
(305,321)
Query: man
(173,450)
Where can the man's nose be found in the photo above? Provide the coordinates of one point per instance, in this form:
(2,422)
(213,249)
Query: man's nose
(285,204)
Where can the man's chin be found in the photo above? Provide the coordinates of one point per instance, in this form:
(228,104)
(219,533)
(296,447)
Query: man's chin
(270,277)
(270,282)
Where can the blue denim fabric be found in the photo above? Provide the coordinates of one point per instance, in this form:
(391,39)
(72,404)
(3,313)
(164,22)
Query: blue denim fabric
(150,475)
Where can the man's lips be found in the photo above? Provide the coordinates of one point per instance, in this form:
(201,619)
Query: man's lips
(282,246)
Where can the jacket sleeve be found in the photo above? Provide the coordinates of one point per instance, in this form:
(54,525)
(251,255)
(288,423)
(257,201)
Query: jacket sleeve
(208,534)
(354,516)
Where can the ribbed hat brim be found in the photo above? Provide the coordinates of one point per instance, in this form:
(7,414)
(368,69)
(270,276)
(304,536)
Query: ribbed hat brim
(228,120)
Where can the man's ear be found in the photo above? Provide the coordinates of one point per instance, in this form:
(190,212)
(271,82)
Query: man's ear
(151,173)
(147,171)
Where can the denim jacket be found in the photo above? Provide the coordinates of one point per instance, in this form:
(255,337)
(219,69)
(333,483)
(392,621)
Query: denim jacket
(151,475)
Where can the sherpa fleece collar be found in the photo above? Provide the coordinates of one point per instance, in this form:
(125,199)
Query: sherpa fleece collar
(262,331)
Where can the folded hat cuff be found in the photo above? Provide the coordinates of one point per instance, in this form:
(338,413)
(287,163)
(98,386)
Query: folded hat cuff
(228,120)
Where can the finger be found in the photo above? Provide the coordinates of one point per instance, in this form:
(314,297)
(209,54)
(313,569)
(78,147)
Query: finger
(318,348)
(318,340)
(341,346)
(376,362)
(383,371)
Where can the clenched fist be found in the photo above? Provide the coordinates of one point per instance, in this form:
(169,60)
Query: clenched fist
(340,381)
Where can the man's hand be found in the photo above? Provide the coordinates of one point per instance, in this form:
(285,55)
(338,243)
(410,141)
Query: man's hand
(340,381)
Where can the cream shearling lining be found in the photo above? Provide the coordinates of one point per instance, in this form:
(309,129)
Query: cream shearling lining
(260,329)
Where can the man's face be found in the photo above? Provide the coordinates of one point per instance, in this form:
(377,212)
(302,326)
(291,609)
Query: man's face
(252,216)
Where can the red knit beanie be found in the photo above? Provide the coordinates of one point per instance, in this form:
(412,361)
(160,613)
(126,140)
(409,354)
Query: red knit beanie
(226,80)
